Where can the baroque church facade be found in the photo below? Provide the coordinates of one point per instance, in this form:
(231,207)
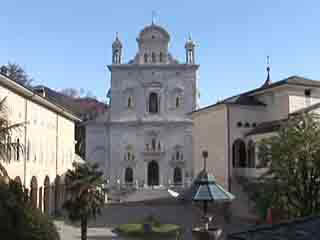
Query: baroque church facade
(145,138)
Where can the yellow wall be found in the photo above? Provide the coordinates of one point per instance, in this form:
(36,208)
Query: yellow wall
(210,133)
(40,134)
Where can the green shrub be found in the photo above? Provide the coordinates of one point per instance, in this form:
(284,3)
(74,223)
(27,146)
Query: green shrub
(21,220)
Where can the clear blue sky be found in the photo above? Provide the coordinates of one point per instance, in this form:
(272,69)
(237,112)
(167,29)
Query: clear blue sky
(68,43)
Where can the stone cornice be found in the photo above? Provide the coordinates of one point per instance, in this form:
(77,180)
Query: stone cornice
(153,66)
(146,123)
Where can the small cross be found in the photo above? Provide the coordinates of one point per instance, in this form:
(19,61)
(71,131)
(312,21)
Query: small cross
(153,16)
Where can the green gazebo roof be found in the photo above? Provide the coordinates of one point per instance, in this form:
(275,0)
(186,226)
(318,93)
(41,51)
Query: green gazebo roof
(205,188)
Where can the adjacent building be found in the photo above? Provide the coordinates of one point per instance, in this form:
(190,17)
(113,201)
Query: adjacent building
(46,143)
(232,128)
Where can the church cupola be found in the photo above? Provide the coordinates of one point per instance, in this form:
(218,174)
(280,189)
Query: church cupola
(190,47)
(153,44)
(116,51)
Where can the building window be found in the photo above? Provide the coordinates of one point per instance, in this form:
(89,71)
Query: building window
(254,124)
(177,176)
(247,125)
(161,57)
(153,144)
(177,102)
(153,103)
(129,156)
(177,155)
(307,92)
(129,104)
(239,124)
(251,154)
(145,58)
(128,178)
(153,57)
(239,153)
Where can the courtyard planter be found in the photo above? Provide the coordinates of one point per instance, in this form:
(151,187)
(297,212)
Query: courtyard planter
(148,231)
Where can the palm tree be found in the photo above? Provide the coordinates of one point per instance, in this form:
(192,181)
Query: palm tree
(84,185)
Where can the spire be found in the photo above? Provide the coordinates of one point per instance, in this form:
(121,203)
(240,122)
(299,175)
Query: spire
(268,80)
(153,17)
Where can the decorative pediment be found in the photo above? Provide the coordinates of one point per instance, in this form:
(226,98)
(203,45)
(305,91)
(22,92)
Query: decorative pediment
(129,163)
(153,84)
(152,133)
(179,163)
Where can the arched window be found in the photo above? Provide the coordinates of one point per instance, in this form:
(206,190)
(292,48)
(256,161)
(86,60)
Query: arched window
(153,103)
(239,154)
(177,176)
(251,154)
(177,102)
(161,57)
(153,144)
(145,58)
(129,102)
(128,176)
(177,155)
(153,57)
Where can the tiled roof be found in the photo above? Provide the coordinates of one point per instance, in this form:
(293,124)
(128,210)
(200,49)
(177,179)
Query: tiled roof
(247,98)
(244,100)
(299,229)
(41,99)
(79,106)
(272,126)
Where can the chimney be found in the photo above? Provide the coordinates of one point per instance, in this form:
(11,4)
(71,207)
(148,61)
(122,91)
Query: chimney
(40,91)
(4,70)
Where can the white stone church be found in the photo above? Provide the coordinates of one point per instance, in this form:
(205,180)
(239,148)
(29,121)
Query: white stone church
(146,136)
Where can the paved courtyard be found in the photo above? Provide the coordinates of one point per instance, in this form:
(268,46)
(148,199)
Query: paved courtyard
(132,211)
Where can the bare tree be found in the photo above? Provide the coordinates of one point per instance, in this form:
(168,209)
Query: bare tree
(71,92)
(15,72)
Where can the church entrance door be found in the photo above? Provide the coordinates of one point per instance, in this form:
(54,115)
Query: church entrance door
(153,173)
